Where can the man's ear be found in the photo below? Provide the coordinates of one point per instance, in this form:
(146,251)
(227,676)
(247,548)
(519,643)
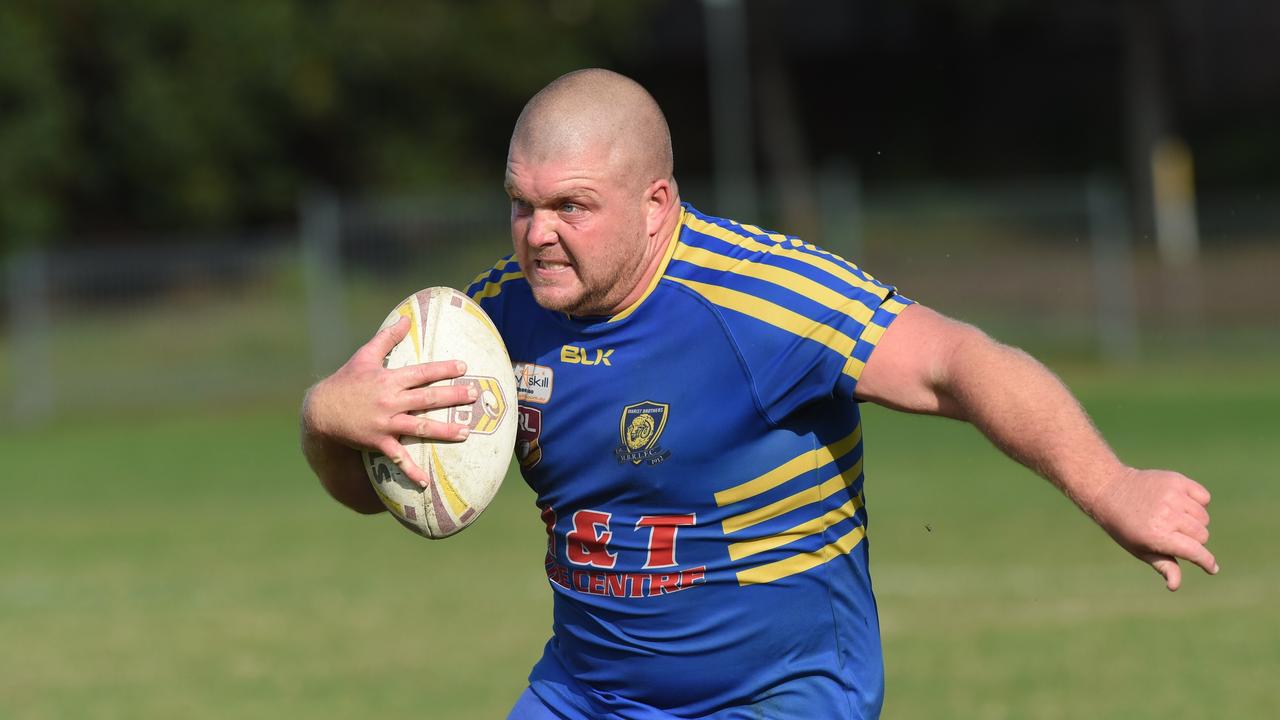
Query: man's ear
(657,200)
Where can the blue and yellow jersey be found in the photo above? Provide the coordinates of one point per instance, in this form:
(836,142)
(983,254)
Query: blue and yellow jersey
(697,460)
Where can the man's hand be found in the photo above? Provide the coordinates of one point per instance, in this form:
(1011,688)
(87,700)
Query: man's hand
(1158,516)
(366,406)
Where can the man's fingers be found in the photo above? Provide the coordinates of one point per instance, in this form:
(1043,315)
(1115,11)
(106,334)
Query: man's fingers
(385,339)
(1185,547)
(1168,568)
(420,426)
(1198,492)
(1193,529)
(396,453)
(439,396)
(1197,512)
(427,373)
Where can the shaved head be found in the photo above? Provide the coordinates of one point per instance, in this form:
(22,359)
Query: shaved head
(593,204)
(597,110)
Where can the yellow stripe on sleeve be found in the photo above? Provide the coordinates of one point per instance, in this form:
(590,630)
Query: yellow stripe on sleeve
(804,561)
(492,287)
(893,306)
(872,333)
(496,266)
(739,550)
(790,469)
(853,368)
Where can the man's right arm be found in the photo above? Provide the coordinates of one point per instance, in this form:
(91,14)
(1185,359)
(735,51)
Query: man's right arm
(339,468)
(366,406)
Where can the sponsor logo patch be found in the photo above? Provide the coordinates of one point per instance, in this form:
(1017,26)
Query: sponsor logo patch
(641,425)
(528,449)
(533,382)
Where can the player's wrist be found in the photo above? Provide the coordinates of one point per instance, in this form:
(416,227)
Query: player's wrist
(315,420)
(1098,490)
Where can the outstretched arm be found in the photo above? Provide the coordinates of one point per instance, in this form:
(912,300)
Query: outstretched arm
(928,363)
(366,406)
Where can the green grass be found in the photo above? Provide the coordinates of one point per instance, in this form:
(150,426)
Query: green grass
(1011,605)
(188,566)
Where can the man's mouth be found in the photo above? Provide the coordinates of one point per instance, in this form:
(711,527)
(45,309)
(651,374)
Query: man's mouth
(551,266)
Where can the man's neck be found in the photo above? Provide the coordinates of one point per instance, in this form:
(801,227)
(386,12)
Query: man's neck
(655,251)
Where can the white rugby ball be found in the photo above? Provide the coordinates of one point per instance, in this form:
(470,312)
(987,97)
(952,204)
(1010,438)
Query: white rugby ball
(445,324)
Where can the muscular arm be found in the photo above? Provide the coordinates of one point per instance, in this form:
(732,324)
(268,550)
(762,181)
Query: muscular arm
(364,405)
(927,363)
(338,467)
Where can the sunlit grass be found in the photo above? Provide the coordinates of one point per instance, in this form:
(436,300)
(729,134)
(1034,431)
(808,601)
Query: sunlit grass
(189,566)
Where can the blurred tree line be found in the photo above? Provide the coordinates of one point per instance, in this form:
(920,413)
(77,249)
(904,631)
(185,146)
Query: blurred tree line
(131,114)
(184,115)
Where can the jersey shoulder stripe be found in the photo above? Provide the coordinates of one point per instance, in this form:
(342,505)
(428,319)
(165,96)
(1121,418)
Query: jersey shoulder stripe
(785,283)
(750,303)
(490,282)
(788,251)
(781,273)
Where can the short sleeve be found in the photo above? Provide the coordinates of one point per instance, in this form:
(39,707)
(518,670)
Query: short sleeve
(487,288)
(804,320)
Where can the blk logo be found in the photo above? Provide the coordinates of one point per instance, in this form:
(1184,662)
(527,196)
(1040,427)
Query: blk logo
(574,355)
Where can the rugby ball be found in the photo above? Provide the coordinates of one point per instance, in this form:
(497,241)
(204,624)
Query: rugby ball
(445,324)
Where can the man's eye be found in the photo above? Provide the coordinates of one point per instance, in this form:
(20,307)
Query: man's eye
(520,207)
(570,208)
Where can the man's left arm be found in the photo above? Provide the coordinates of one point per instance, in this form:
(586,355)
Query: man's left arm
(928,363)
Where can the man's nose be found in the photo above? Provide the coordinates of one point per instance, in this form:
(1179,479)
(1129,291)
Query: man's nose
(543,230)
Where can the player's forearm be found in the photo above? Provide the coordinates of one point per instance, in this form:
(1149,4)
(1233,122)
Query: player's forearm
(338,467)
(1028,413)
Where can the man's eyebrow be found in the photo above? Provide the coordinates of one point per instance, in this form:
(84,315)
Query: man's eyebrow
(572,193)
(576,192)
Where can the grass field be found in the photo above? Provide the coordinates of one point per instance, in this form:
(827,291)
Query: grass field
(188,566)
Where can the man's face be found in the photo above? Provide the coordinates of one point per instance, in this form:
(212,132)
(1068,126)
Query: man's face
(578,228)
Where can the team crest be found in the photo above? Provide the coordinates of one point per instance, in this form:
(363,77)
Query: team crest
(641,426)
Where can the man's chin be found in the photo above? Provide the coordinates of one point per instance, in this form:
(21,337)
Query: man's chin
(571,302)
(557,299)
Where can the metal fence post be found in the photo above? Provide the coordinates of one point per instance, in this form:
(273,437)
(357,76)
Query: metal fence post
(29,331)
(320,220)
(840,202)
(1114,295)
(729,76)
